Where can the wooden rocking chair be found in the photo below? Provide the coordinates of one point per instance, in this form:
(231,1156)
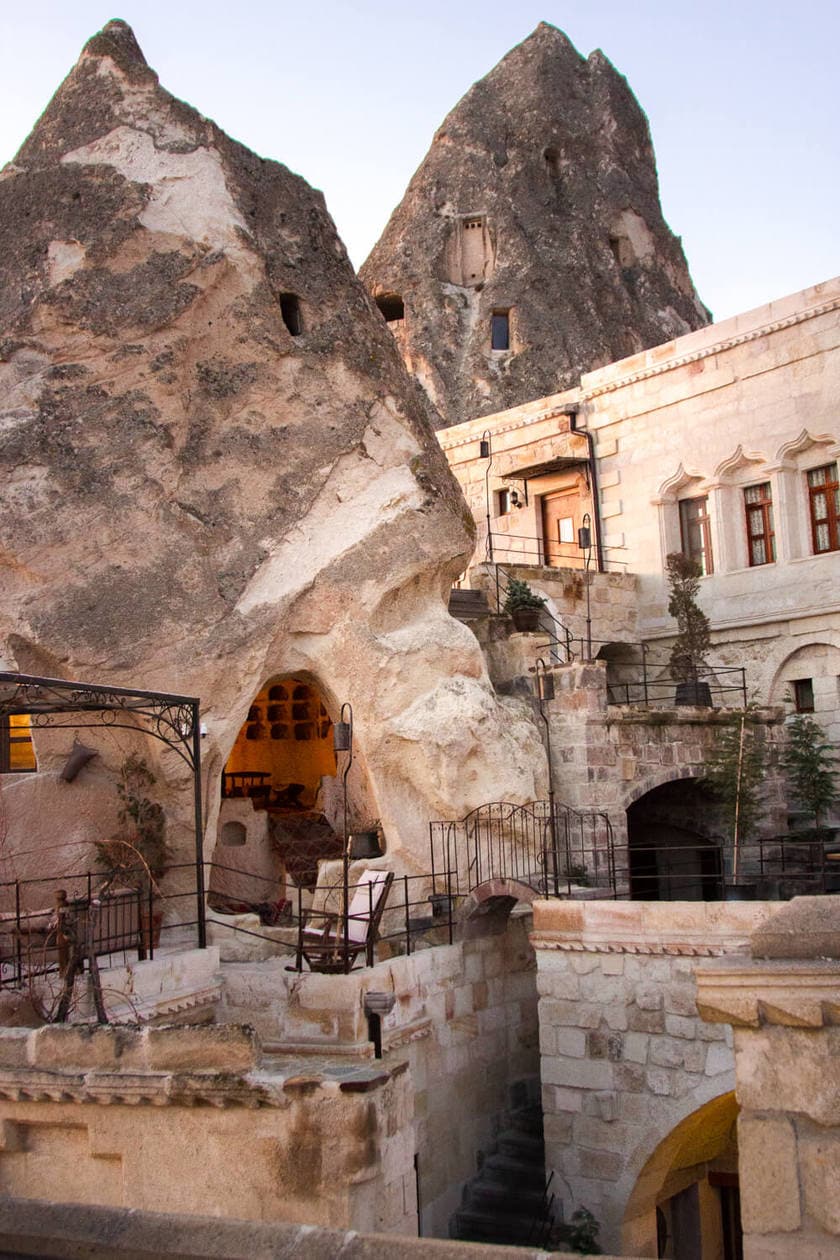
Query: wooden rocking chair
(321,938)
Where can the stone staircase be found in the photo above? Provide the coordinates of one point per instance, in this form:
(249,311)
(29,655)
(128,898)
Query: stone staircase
(467,605)
(505,1202)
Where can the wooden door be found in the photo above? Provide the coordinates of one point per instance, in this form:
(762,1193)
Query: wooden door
(561,518)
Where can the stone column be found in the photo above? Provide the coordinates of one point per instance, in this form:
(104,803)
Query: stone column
(784,1007)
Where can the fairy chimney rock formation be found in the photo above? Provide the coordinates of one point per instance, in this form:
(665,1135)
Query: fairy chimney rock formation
(530,244)
(216,468)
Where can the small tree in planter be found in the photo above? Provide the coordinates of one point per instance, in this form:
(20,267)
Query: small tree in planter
(735,771)
(809,761)
(138,858)
(523,604)
(691,646)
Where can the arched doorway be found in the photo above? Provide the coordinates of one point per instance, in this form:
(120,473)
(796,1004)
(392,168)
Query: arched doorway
(278,801)
(674,854)
(685,1204)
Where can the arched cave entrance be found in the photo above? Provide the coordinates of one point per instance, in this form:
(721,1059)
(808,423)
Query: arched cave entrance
(685,1202)
(280,801)
(673,853)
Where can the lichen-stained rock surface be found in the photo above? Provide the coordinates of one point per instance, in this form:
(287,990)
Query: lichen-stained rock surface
(538,198)
(215,466)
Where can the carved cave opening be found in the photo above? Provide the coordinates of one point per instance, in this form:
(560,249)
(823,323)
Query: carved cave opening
(279,811)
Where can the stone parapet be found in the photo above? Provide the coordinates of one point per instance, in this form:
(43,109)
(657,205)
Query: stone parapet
(106,1233)
(677,928)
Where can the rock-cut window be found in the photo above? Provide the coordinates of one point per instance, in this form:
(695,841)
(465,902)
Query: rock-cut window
(290,310)
(500,330)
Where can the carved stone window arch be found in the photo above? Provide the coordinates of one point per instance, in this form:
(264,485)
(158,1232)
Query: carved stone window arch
(733,475)
(794,459)
(685,484)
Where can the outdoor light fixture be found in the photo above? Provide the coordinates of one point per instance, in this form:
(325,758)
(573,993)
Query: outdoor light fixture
(545,685)
(343,732)
(343,742)
(585,544)
(486,453)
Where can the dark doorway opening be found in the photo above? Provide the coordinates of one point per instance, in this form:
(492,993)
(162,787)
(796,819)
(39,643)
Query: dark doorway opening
(673,853)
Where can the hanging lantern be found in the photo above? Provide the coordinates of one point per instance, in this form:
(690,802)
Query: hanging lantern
(545,686)
(342,736)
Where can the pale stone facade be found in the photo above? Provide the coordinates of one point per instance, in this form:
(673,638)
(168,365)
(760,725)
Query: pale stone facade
(627,1060)
(747,403)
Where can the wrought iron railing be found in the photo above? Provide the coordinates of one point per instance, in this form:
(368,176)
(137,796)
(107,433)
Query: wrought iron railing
(548,847)
(559,637)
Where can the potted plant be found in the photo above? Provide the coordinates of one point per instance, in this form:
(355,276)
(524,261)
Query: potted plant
(523,605)
(138,857)
(691,646)
(735,770)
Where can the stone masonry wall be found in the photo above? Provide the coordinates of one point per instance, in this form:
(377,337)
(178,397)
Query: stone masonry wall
(784,1008)
(191,1120)
(464,1022)
(625,1056)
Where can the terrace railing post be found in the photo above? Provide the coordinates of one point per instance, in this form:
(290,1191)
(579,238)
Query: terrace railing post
(18,941)
(407,919)
(201,909)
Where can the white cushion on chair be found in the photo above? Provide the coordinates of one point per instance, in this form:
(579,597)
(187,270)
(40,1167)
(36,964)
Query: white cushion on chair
(369,888)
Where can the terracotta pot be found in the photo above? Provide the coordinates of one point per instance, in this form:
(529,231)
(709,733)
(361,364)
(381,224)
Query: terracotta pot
(526,618)
(695,693)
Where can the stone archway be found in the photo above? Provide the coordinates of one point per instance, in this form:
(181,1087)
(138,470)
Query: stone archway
(685,1199)
(673,854)
(487,909)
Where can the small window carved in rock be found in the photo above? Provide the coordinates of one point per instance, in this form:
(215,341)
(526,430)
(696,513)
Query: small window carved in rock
(290,310)
(552,161)
(392,306)
(500,330)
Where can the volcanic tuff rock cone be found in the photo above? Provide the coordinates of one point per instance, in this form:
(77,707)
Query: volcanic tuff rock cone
(537,200)
(216,469)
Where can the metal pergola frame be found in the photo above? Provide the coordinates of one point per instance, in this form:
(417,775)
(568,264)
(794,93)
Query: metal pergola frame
(54,703)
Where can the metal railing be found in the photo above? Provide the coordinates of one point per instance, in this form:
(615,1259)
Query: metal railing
(528,550)
(550,848)
(559,637)
(40,923)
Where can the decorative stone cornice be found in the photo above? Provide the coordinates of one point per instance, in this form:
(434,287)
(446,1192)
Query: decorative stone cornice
(155,1089)
(707,351)
(795,994)
(677,949)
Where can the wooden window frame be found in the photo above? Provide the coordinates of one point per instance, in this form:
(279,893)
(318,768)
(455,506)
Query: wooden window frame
(830,489)
(803,687)
(760,509)
(705,556)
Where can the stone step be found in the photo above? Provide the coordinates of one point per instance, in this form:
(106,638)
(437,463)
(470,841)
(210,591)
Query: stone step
(516,1231)
(466,605)
(528,1148)
(492,1198)
(512,1173)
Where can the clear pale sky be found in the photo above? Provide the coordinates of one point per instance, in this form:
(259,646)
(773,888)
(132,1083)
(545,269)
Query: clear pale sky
(742,98)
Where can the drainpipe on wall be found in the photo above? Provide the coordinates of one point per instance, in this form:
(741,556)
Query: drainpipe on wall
(572,413)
